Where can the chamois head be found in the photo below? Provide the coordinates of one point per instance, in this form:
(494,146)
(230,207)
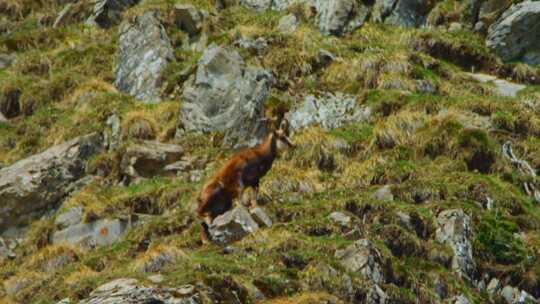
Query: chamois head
(279,128)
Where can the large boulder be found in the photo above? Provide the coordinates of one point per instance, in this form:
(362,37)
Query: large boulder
(131,291)
(31,186)
(454,229)
(261,5)
(232,226)
(407,13)
(516,34)
(340,16)
(329,111)
(144,52)
(364,258)
(90,235)
(226,95)
(108,13)
(149,158)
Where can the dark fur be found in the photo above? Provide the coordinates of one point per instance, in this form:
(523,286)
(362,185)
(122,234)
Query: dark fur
(245,169)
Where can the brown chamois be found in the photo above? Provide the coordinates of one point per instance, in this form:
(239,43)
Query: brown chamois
(245,169)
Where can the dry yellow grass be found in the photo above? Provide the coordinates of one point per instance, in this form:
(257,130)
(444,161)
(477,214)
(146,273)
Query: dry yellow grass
(305,298)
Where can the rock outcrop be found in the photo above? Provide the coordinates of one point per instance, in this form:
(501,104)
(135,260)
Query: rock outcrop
(108,13)
(288,23)
(232,226)
(226,95)
(502,87)
(515,35)
(91,235)
(131,291)
(261,5)
(407,13)
(340,16)
(148,158)
(454,229)
(34,185)
(362,257)
(330,111)
(144,53)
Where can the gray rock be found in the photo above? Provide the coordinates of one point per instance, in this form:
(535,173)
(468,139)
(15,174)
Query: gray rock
(70,217)
(131,291)
(503,87)
(186,164)
(108,13)
(148,158)
(461,299)
(405,220)
(493,286)
(509,293)
(455,230)
(362,257)
(257,46)
(324,58)
(5,251)
(384,194)
(288,23)
(340,218)
(329,111)
(262,219)
(480,27)
(226,95)
(377,296)
(516,32)
(258,5)
(6,60)
(406,13)
(232,226)
(34,185)
(261,5)
(157,278)
(144,53)
(340,16)
(114,123)
(90,235)
(3,119)
(64,301)
(189,19)
(157,262)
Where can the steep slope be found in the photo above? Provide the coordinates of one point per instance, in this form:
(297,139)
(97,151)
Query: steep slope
(412,181)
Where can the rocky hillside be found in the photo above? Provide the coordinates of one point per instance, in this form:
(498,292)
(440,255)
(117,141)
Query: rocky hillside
(413,179)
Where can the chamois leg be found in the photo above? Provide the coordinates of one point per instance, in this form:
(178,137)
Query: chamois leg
(254,197)
(241,189)
(205,233)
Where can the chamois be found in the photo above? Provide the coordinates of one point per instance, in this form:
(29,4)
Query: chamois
(245,169)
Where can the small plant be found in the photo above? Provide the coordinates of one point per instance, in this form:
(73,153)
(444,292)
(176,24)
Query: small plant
(495,238)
